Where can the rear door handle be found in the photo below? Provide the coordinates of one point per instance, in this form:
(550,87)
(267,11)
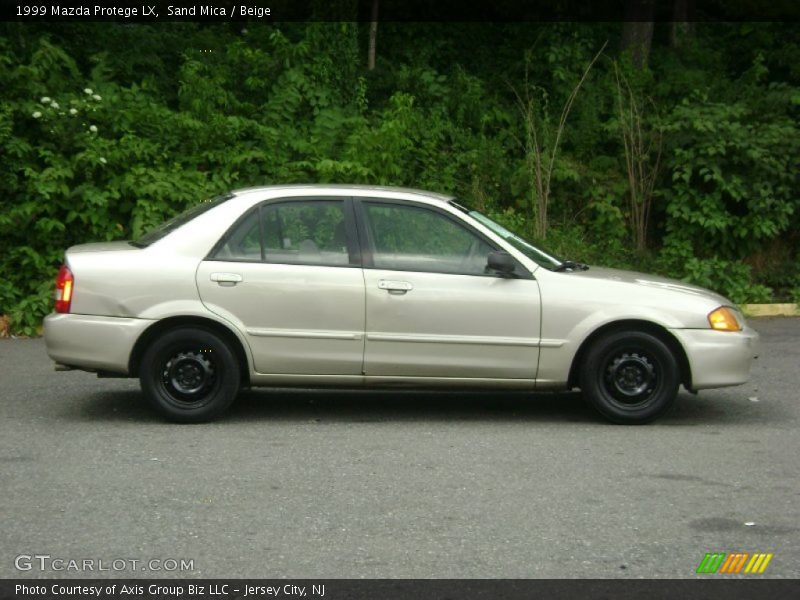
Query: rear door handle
(395,287)
(226,279)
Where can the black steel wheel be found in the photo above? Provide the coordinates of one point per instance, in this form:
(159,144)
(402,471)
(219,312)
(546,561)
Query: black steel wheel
(630,377)
(189,375)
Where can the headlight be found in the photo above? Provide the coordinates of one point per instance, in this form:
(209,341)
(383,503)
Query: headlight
(723,319)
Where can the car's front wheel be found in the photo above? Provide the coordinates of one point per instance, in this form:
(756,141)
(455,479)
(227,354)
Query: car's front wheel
(630,377)
(189,374)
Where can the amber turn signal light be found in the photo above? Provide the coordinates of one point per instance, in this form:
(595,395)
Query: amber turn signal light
(723,319)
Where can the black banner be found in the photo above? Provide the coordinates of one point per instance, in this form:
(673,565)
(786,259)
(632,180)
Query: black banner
(391,589)
(393,10)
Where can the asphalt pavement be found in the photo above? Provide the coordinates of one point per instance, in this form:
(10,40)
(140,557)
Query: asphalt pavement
(313,484)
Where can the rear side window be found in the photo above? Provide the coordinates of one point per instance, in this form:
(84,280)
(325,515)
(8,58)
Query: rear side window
(298,232)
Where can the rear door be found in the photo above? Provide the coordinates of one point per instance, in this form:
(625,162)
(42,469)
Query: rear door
(288,274)
(432,309)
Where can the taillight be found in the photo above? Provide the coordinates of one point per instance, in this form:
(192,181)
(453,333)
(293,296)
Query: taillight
(64,287)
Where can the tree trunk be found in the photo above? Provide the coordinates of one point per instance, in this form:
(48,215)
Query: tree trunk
(373,36)
(637,33)
(682,27)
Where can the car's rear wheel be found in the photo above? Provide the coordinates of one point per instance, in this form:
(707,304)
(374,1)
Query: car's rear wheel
(189,375)
(630,377)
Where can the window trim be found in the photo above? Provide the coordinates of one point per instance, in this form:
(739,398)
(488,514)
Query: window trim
(353,247)
(368,245)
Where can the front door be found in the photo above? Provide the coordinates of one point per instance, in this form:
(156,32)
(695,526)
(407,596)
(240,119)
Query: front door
(288,274)
(432,309)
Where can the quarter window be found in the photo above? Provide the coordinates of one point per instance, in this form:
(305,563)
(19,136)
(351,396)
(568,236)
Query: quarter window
(410,238)
(244,242)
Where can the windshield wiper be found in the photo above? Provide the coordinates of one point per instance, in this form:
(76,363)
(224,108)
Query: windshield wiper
(571,265)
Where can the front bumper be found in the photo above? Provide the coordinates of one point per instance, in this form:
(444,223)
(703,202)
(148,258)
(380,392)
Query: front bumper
(92,342)
(718,358)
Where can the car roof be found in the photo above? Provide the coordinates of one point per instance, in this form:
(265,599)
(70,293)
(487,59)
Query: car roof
(360,189)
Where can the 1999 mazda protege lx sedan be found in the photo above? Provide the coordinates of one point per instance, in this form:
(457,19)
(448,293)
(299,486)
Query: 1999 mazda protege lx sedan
(365,286)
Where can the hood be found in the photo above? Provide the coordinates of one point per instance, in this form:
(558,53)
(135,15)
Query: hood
(652,281)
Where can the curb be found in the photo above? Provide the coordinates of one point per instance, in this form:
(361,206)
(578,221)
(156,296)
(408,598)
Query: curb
(770,310)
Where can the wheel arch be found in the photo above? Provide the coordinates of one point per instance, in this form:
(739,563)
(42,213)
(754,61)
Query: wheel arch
(164,325)
(654,329)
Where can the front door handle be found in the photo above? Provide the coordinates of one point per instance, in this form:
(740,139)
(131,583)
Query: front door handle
(395,287)
(226,279)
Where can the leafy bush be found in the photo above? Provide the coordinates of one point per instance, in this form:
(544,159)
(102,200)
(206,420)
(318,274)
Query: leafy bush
(105,130)
(732,279)
(734,173)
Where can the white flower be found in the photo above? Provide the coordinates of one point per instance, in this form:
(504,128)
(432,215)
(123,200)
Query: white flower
(97,97)
(36,115)
(103,160)
(55,105)
(93,128)
(88,91)
(45,100)
(73,111)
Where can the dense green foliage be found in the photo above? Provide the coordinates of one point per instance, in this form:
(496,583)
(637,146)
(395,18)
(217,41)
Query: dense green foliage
(106,130)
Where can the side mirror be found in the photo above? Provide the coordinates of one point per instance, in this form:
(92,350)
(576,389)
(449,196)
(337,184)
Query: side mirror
(501,262)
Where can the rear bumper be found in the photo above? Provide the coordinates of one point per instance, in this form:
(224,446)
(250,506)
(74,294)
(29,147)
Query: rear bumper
(718,358)
(92,342)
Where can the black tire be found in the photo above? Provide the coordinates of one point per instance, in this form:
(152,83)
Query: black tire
(189,375)
(630,377)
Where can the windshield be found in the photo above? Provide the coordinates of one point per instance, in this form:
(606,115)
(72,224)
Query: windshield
(167,227)
(538,255)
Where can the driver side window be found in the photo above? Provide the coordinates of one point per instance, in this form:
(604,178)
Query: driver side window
(412,238)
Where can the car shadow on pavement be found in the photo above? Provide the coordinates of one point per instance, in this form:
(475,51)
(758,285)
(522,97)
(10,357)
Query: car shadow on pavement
(112,406)
(356,406)
(365,406)
(362,406)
